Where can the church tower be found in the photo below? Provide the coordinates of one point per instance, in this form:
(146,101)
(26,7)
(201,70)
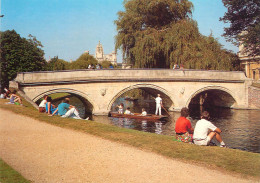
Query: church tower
(99,52)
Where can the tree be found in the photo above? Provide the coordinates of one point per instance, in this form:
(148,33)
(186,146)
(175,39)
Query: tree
(105,64)
(244,19)
(19,55)
(56,64)
(83,61)
(160,33)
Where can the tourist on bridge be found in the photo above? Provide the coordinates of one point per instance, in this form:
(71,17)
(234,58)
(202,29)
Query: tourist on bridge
(205,131)
(66,110)
(158,101)
(183,127)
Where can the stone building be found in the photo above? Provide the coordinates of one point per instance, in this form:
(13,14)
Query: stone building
(100,56)
(251,64)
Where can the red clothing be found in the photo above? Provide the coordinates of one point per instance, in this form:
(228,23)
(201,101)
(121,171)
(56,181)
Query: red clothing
(182,125)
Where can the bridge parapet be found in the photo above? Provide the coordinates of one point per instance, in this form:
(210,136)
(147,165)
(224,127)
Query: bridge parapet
(102,87)
(131,74)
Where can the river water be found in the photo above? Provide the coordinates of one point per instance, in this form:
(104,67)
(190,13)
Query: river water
(240,128)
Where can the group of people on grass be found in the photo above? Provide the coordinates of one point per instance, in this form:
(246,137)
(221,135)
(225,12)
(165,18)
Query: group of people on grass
(12,96)
(64,109)
(203,132)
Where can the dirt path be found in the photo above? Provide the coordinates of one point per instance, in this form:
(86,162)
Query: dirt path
(46,153)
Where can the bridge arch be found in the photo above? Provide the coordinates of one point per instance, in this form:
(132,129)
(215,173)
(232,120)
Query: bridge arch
(226,95)
(144,87)
(67,90)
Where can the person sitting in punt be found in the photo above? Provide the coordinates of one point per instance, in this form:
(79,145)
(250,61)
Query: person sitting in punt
(50,108)
(121,108)
(127,111)
(144,113)
(183,127)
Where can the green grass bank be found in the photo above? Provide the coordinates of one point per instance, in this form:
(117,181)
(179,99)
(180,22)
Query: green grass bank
(8,175)
(232,161)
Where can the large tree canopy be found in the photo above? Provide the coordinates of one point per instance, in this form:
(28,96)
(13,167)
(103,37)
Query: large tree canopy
(244,19)
(160,33)
(56,64)
(83,61)
(19,55)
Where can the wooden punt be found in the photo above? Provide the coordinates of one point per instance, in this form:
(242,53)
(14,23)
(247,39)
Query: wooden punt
(151,117)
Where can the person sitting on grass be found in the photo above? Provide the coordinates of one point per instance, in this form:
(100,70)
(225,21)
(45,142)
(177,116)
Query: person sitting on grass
(205,131)
(42,106)
(66,110)
(183,127)
(15,99)
(50,108)
(144,113)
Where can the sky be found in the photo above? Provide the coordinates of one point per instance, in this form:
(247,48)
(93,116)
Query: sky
(67,28)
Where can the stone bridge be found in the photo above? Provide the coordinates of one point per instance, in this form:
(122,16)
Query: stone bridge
(178,88)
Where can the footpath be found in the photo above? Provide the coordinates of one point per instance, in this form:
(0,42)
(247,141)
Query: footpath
(45,153)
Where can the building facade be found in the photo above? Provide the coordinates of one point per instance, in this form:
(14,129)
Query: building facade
(100,56)
(250,64)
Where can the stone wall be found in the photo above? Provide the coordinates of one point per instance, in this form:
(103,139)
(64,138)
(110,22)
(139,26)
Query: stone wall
(254,97)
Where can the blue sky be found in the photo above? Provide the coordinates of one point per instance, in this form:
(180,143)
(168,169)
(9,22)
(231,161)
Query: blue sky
(67,28)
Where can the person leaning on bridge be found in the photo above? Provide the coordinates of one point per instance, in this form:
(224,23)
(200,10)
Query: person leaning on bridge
(183,127)
(205,131)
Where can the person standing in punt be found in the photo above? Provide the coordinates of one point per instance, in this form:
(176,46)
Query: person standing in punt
(158,101)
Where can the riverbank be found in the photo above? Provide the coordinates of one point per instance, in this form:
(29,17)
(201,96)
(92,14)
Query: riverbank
(225,160)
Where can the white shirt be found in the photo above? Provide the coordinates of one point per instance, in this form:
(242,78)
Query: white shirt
(144,113)
(43,103)
(158,100)
(202,129)
(127,112)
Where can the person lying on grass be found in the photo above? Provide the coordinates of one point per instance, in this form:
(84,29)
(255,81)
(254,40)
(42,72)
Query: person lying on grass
(66,110)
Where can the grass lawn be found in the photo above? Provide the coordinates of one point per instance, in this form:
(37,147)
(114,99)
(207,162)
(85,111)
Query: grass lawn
(224,159)
(8,175)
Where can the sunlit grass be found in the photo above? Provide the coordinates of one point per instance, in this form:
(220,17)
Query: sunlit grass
(9,175)
(231,160)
